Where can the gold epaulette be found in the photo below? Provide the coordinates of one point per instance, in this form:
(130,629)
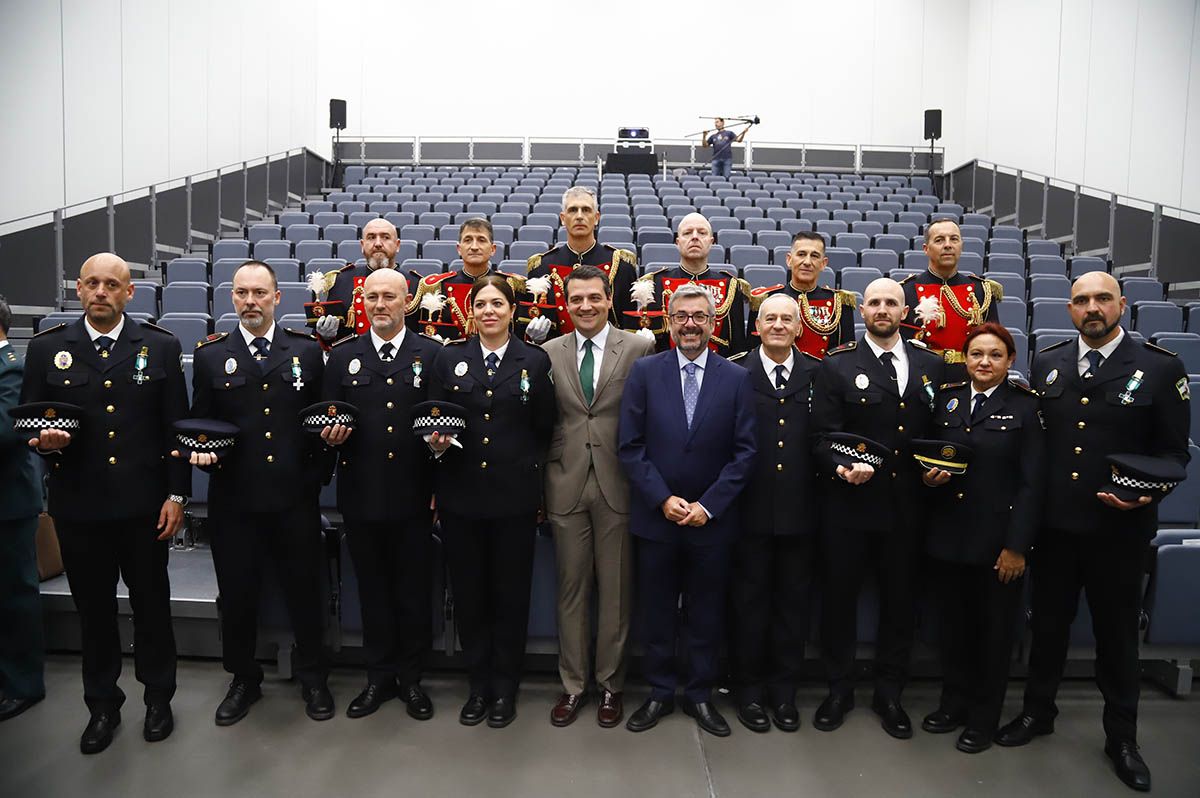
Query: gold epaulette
(737,357)
(847,298)
(759,295)
(1157,348)
(1055,345)
(51,329)
(906,279)
(212,339)
(947,385)
(1020,387)
(743,285)
(846,347)
(515,281)
(345,268)
(625,255)
(329,278)
(650,275)
(997,289)
(534,261)
(300,333)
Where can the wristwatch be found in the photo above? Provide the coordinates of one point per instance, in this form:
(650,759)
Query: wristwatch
(182,501)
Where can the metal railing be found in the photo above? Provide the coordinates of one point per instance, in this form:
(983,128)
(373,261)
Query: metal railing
(674,153)
(1135,235)
(148,224)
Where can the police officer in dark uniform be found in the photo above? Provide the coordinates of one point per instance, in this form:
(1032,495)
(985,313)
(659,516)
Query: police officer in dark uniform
(263,495)
(440,306)
(385,484)
(579,216)
(379,246)
(945,304)
(981,524)
(115,494)
(695,240)
(880,388)
(773,559)
(1101,394)
(21,639)
(489,492)
(827,314)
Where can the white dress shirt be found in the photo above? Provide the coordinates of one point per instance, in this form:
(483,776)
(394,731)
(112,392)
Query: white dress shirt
(599,341)
(249,336)
(900,361)
(700,362)
(1105,351)
(397,342)
(770,365)
(114,333)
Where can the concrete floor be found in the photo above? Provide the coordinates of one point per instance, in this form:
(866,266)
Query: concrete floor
(277,751)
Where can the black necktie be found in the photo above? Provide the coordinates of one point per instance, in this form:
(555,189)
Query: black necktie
(888,359)
(1094,359)
(104,345)
(385,352)
(980,398)
(493,363)
(780,380)
(262,348)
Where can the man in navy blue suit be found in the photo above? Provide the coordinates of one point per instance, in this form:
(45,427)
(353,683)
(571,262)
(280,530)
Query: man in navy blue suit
(687,443)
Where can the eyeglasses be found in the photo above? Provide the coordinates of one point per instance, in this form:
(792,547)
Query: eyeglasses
(700,317)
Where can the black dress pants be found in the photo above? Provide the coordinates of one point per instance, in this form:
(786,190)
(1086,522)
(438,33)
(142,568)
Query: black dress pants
(242,544)
(491,568)
(393,563)
(95,553)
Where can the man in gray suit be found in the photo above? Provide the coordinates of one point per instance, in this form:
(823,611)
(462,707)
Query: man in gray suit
(587,496)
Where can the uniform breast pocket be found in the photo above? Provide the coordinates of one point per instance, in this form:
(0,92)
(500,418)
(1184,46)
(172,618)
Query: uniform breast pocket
(228,383)
(1001,423)
(351,381)
(67,379)
(1127,398)
(863,398)
(948,421)
(287,376)
(1052,391)
(461,385)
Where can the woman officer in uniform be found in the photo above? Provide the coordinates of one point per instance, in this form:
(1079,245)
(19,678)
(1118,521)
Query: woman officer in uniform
(981,524)
(489,492)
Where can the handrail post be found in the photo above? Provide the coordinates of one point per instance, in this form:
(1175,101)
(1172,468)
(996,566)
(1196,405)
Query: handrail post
(1154,235)
(187,194)
(110,213)
(59,270)
(1112,224)
(1075,221)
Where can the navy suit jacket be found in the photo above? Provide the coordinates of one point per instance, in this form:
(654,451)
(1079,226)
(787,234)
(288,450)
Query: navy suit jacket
(709,463)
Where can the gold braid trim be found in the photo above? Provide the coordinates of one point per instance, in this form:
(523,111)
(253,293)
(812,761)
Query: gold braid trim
(811,322)
(976,314)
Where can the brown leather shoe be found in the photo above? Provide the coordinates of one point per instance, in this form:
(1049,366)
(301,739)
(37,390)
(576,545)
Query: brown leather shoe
(610,711)
(567,709)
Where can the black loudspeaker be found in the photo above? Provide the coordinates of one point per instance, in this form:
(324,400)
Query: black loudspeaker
(337,115)
(933,123)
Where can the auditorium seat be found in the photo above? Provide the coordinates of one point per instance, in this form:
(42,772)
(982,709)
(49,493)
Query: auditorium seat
(445,251)
(735,238)
(272,248)
(1139,289)
(1042,247)
(1083,265)
(915,259)
(264,232)
(1151,317)
(1049,286)
(1013,284)
(759,275)
(189,328)
(1187,346)
(231,248)
(741,255)
(188,270)
(885,260)
(1012,313)
(1049,314)
(1004,246)
(841,258)
(286,269)
(310,250)
(289,218)
(857,278)
(1047,265)
(185,298)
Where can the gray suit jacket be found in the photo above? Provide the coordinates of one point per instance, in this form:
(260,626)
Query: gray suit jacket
(586,434)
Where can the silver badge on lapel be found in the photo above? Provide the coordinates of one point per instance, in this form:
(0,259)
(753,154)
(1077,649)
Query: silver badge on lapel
(861,382)
(952,405)
(63,360)
(1052,376)
(460,369)
(354,366)
(230,365)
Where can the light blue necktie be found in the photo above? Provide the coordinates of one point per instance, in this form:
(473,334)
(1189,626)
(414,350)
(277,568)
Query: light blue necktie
(691,392)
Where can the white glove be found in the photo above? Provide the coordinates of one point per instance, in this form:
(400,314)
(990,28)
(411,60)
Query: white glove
(327,327)
(645,332)
(538,329)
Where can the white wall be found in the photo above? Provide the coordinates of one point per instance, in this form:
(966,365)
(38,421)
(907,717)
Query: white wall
(102,96)
(1104,93)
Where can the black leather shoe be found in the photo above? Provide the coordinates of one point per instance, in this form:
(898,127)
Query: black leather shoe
(648,714)
(159,723)
(942,722)
(832,711)
(786,717)
(895,719)
(707,717)
(99,732)
(1131,768)
(1022,730)
(318,702)
(754,717)
(419,705)
(11,707)
(474,711)
(502,713)
(370,699)
(237,702)
(972,741)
